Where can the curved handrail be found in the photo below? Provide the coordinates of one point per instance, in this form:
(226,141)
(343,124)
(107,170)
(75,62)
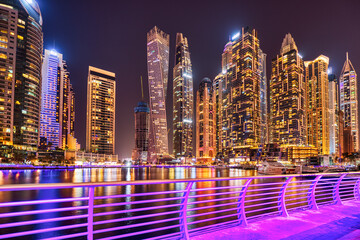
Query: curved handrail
(19,187)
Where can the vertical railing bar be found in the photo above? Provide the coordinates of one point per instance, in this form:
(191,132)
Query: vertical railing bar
(281,201)
(183,219)
(336,190)
(357,190)
(311,195)
(90,213)
(241,204)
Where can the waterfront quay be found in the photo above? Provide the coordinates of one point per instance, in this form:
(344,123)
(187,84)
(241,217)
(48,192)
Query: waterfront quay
(247,207)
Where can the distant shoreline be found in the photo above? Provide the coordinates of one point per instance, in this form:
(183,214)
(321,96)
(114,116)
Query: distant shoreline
(30,167)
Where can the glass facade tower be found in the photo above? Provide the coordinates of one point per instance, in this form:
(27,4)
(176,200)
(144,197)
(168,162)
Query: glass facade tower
(183,100)
(21,47)
(158,69)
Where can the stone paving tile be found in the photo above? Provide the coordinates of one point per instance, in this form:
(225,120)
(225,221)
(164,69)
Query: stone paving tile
(333,222)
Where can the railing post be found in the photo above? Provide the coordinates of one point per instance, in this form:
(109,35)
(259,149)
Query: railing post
(281,201)
(90,213)
(241,204)
(311,194)
(183,214)
(336,190)
(357,190)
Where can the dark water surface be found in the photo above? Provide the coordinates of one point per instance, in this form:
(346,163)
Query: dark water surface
(210,203)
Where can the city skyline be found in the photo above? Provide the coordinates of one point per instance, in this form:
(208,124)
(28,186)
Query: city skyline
(269,44)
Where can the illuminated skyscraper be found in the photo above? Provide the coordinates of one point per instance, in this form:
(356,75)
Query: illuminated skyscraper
(158,68)
(68,118)
(264,133)
(142,122)
(57,101)
(218,84)
(21,42)
(334,128)
(349,100)
(226,57)
(245,92)
(100,115)
(317,104)
(205,121)
(287,96)
(183,99)
(52,98)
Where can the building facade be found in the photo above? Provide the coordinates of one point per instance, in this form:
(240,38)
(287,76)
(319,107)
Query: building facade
(349,101)
(317,104)
(205,121)
(245,92)
(21,46)
(142,123)
(264,131)
(287,96)
(100,115)
(334,128)
(158,69)
(183,100)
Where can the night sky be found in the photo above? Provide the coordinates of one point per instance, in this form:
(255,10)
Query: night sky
(111,34)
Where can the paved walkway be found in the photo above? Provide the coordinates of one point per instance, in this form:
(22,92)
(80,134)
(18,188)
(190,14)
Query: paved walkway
(328,223)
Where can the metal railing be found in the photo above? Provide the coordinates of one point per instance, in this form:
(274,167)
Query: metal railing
(162,209)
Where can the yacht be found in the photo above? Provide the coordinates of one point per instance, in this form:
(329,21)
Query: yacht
(271,168)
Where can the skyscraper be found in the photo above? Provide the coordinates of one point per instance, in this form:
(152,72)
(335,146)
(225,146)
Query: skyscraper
(21,42)
(349,100)
(158,68)
(218,84)
(287,96)
(183,99)
(334,128)
(264,131)
(245,92)
(57,115)
(68,119)
(205,121)
(142,122)
(317,104)
(100,115)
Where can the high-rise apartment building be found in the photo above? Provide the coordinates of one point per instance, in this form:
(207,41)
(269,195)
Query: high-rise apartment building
(21,46)
(317,104)
(57,101)
(183,100)
(142,123)
(100,116)
(205,121)
(334,128)
(68,118)
(158,69)
(218,85)
(264,131)
(287,96)
(349,100)
(245,92)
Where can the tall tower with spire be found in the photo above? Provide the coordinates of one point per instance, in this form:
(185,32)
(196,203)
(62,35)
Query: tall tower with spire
(158,69)
(142,123)
(183,99)
(349,100)
(287,96)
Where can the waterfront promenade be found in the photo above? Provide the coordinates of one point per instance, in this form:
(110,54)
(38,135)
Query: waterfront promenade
(328,223)
(181,208)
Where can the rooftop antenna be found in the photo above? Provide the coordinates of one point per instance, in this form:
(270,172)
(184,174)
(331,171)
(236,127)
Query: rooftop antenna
(142,89)
(347,56)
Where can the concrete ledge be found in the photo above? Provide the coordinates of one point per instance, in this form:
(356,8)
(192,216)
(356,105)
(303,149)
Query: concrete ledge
(328,223)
